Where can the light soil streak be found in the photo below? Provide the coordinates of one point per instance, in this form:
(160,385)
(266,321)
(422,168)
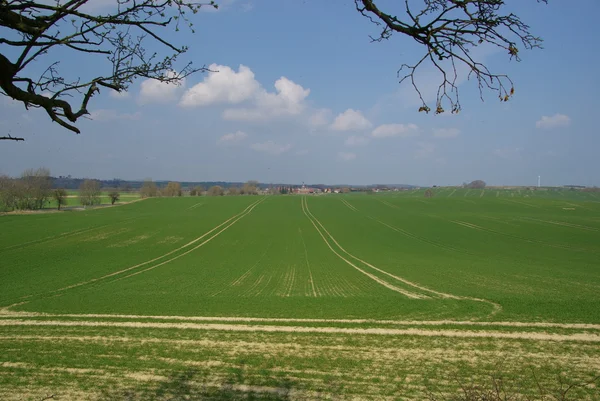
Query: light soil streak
(539,336)
(20,315)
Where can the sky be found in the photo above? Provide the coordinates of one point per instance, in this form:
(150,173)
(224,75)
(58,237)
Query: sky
(299,93)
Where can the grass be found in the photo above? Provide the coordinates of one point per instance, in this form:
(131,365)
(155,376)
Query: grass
(475,258)
(73,199)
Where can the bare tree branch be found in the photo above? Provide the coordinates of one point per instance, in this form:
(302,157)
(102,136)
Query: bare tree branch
(11,138)
(33,30)
(449,30)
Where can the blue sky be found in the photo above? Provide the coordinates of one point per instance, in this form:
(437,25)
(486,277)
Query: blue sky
(302,95)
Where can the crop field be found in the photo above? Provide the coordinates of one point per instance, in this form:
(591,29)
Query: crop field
(383,296)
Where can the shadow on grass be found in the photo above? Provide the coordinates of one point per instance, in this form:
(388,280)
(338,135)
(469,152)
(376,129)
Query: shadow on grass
(194,385)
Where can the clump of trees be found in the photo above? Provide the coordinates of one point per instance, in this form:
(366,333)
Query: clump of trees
(250,188)
(234,191)
(172,189)
(148,189)
(31,191)
(114,196)
(215,190)
(60,196)
(477,184)
(89,193)
(197,191)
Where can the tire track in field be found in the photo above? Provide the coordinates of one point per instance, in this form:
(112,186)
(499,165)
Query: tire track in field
(418,332)
(422,239)
(392,287)
(195,206)
(384,283)
(310,276)
(345,202)
(496,308)
(237,218)
(563,223)
(240,279)
(485,229)
(242,214)
(53,237)
(523,203)
(529,240)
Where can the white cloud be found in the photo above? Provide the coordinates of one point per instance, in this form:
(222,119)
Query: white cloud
(446,132)
(287,101)
(105,115)
(222,86)
(555,121)
(346,156)
(153,91)
(390,130)
(232,138)
(118,95)
(350,120)
(271,147)
(320,118)
(356,140)
(424,150)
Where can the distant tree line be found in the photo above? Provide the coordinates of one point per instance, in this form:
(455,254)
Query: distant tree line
(150,189)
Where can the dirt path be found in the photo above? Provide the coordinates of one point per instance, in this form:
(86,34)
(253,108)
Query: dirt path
(537,336)
(7,313)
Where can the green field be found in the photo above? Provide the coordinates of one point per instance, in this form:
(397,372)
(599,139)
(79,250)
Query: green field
(291,297)
(72,199)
